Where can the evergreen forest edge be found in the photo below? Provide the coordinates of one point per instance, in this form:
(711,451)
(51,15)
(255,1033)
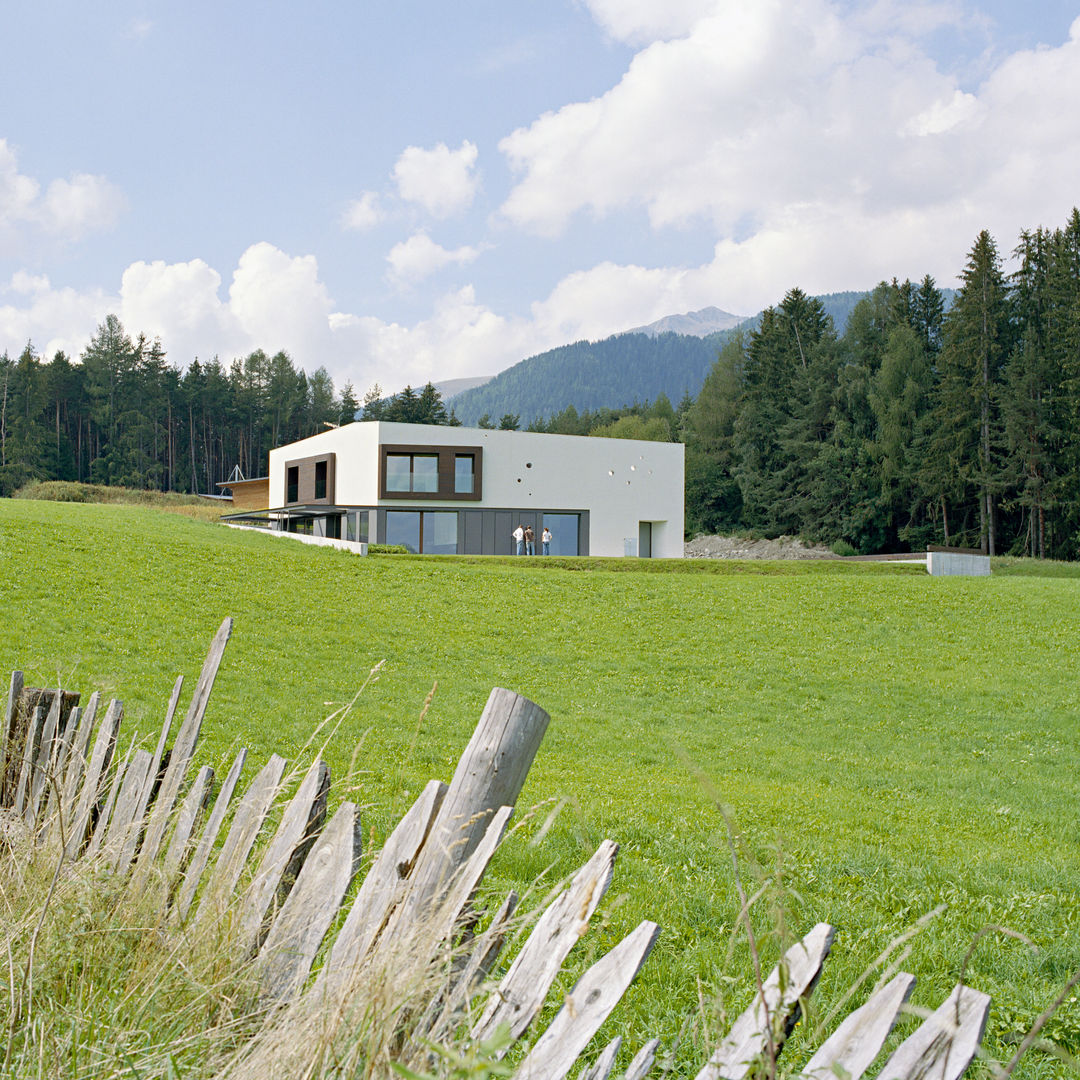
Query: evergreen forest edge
(915,425)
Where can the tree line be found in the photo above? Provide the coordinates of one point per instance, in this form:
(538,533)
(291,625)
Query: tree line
(122,415)
(916,425)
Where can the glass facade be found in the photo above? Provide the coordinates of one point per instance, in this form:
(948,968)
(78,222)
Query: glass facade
(428,532)
(403,527)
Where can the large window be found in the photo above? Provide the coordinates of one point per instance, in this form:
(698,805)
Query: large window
(412,472)
(292,484)
(428,532)
(320,479)
(446,473)
(564,533)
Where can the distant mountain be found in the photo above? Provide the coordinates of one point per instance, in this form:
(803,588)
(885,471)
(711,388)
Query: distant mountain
(701,323)
(593,374)
(636,366)
(449,388)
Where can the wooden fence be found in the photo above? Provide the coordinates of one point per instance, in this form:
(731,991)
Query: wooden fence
(150,817)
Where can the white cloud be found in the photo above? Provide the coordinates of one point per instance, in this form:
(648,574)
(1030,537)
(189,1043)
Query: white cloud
(638,21)
(68,209)
(768,118)
(363,213)
(416,258)
(442,181)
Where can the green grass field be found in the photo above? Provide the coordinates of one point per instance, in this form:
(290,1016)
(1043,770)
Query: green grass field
(886,742)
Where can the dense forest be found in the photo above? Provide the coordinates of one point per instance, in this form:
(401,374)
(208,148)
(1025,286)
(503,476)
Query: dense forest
(124,416)
(913,425)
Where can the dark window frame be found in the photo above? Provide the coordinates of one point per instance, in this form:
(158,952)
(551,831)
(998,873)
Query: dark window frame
(447,472)
(306,472)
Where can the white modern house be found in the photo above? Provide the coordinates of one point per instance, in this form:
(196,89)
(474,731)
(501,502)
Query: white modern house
(453,490)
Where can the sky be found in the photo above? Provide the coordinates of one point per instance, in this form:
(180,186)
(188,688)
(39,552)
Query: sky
(420,190)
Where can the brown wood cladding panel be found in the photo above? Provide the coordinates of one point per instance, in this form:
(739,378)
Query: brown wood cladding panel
(251,494)
(306,485)
(446,454)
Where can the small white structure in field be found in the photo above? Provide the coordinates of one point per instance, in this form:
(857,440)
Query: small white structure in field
(957,563)
(453,490)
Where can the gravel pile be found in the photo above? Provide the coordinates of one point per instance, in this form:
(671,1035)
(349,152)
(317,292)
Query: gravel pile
(736,547)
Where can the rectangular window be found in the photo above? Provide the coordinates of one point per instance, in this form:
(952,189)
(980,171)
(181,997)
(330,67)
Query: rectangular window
(356,526)
(320,479)
(564,533)
(398,472)
(292,484)
(425,472)
(403,527)
(440,532)
(463,474)
(412,472)
(428,532)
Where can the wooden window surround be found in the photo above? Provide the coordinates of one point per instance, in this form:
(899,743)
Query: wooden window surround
(313,474)
(447,472)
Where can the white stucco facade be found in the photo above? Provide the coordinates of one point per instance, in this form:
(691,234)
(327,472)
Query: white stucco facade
(627,493)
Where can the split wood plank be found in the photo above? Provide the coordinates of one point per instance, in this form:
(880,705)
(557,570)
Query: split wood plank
(15,689)
(381,890)
(747,1040)
(180,757)
(29,756)
(90,794)
(466,977)
(521,993)
(642,1061)
(206,842)
(126,855)
(285,854)
(195,800)
(79,732)
(942,1047)
(851,1049)
(54,792)
(39,773)
(127,823)
(101,826)
(444,914)
(297,932)
(587,1006)
(250,815)
(601,1068)
(490,774)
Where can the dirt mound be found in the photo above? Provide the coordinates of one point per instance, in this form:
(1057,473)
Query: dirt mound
(737,547)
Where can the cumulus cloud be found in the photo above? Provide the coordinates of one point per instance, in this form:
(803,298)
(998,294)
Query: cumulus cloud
(67,209)
(416,258)
(363,213)
(762,120)
(441,181)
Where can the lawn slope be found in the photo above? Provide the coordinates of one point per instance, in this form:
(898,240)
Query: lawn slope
(892,741)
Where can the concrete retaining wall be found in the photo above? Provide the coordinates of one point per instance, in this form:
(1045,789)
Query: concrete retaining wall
(952,564)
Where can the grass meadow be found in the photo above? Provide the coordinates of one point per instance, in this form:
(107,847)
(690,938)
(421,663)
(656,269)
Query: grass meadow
(884,742)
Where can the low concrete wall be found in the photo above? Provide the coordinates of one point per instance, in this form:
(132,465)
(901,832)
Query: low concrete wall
(355,546)
(954,564)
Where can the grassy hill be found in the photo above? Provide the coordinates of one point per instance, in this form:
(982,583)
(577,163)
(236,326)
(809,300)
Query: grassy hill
(892,741)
